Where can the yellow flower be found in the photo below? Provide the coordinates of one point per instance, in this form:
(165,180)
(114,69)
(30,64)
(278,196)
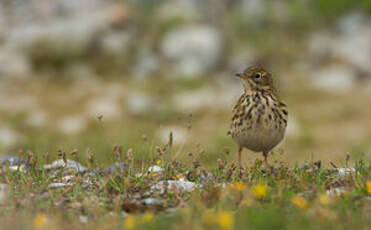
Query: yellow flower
(226,220)
(39,221)
(324,199)
(158,162)
(260,191)
(368,187)
(300,202)
(239,186)
(129,222)
(147,217)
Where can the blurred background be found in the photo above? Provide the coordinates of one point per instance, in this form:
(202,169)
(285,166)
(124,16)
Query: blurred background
(90,74)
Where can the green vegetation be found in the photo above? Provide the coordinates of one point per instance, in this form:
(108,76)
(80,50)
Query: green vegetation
(282,196)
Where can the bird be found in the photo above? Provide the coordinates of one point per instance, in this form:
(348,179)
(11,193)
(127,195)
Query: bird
(259,118)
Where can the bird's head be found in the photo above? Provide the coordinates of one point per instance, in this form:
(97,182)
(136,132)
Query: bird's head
(256,78)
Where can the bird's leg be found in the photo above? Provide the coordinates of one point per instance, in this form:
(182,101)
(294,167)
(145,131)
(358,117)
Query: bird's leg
(265,154)
(239,161)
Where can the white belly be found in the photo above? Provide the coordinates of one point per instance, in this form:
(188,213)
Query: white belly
(260,139)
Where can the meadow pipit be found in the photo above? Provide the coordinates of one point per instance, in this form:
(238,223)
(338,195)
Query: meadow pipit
(259,118)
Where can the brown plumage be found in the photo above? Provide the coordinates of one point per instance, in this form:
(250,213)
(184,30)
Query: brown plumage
(259,118)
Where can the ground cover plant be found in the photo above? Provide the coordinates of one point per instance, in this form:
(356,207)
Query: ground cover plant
(163,193)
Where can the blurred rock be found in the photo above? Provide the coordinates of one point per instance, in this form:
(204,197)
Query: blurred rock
(138,103)
(215,97)
(194,50)
(354,49)
(342,172)
(59,185)
(319,46)
(69,164)
(343,46)
(72,124)
(59,32)
(11,160)
(151,201)
(13,163)
(335,191)
(69,37)
(147,64)
(37,117)
(180,185)
(351,23)
(115,42)
(155,168)
(14,64)
(179,134)
(83,219)
(334,79)
(8,137)
(107,107)
(193,100)
(68,178)
(151,169)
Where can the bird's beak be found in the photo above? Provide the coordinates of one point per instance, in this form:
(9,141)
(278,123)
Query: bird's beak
(239,75)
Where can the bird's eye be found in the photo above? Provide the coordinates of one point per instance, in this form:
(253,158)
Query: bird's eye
(257,76)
